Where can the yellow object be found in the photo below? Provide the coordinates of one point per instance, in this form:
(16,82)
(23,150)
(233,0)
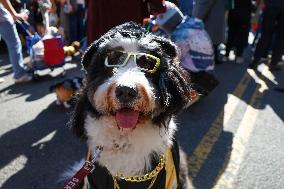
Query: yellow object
(147,176)
(69,50)
(171,177)
(72,50)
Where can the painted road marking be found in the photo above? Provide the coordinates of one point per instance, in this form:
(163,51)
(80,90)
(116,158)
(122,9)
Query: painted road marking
(201,152)
(12,168)
(234,159)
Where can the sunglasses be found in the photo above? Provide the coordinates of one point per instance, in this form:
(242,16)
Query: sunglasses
(146,62)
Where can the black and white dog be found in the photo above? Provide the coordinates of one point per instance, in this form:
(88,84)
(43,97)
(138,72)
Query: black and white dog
(134,88)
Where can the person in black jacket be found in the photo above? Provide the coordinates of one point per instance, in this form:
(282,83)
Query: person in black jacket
(273,22)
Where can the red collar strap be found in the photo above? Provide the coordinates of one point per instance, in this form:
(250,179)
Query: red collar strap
(87,168)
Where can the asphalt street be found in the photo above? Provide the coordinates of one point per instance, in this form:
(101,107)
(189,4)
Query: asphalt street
(234,137)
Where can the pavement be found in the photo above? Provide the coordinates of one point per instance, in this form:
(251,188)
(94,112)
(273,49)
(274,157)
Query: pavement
(233,137)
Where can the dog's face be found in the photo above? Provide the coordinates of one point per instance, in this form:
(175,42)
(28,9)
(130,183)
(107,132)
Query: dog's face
(132,77)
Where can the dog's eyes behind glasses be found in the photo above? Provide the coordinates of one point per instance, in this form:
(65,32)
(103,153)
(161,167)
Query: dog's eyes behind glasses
(116,58)
(146,62)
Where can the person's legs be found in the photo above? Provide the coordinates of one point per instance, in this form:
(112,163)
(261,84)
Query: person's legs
(278,48)
(231,32)
(80,23)
(267,29)
(243,31)
(216,54)
(73,27)
(10,36)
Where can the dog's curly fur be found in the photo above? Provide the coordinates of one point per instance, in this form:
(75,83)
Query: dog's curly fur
(161,95)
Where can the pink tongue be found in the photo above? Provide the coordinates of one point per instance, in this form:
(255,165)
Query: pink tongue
(126,118)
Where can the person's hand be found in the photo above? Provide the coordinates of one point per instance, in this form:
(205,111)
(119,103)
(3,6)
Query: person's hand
(21,16)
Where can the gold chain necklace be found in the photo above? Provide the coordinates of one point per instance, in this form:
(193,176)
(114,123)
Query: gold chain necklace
(152,175)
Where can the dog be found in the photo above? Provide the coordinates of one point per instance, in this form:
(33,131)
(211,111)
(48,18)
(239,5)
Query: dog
(65,90)
(134,89)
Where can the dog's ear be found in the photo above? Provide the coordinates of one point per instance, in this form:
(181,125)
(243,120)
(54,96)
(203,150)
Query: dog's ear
(174,81)
(88,55)
(174,86)
(82,108)
(77,121)
(168,47)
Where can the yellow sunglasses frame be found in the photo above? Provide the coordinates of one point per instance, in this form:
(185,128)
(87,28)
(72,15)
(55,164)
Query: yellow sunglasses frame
(129,54)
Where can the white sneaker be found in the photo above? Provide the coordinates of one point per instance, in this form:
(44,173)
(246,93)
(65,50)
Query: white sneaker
(239,60)
(25,78)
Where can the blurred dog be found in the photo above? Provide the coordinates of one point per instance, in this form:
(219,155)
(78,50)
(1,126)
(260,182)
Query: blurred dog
(65,90)
(134,88)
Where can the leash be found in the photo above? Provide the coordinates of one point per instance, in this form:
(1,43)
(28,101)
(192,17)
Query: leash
(86,169)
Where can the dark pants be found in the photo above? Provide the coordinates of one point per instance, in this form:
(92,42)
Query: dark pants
(76,25)
(273,22)
(239,26)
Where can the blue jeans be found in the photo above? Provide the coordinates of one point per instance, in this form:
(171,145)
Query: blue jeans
(9,33)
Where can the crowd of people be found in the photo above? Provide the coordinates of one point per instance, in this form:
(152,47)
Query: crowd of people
(226,21)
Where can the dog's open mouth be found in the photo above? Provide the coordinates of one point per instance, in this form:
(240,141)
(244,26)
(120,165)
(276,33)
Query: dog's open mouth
(127,118)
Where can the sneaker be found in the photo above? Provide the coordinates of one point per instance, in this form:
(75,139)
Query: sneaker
(275,67)
(24,79)
(239,60)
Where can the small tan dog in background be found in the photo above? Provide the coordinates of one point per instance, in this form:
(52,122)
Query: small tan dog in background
(64,90)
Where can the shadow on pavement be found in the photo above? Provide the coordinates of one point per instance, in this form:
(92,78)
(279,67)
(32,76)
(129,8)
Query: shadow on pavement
(270,96)
(201,131)
(48,147)
(273,96)
(208,146)
(5,71)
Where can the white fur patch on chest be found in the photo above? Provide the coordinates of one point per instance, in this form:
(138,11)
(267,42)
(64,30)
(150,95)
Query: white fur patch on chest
(127,152)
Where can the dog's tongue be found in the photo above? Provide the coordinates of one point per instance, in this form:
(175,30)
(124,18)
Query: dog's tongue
(126,118)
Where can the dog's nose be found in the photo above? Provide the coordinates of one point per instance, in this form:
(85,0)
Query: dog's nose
(126,94)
